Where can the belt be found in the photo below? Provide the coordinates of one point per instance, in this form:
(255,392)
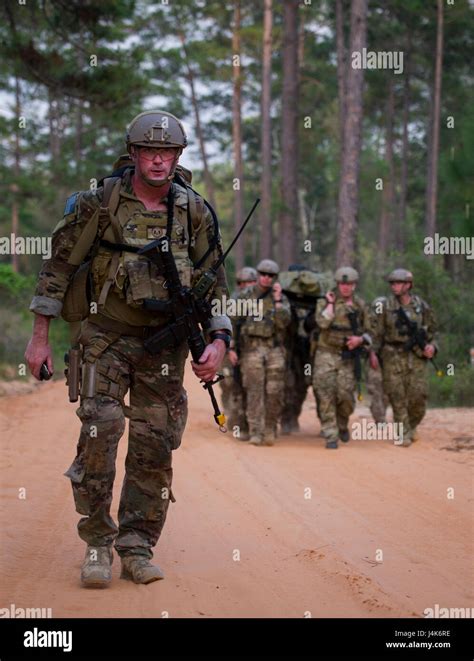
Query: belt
(108,324)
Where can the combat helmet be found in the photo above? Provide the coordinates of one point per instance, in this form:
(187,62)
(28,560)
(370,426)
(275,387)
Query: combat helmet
(346,274)
(400,275)
(268,266)
(246,274)
(156,128)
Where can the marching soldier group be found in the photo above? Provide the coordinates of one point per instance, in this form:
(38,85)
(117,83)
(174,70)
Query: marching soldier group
(101,280)
(274,357)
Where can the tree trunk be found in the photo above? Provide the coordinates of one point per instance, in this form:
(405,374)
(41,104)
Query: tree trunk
(402,208)
(349,184)
(432,179)
(208,181)
(239,251)
(388,201)
(341,71)
(266,181)
(301,37)
(79,112)
(15,187)
(54,139)
(289,134)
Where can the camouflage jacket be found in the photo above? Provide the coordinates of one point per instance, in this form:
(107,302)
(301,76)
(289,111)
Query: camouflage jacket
(261,319)
(386,328)
(123,301)
(337,328)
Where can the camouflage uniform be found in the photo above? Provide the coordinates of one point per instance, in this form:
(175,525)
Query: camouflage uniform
(333,375)
(297,344)
(115,361)
(233,393)
(262,363)
(378,397)
(404,372)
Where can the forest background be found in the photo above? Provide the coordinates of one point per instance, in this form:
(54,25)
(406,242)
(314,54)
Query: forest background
(353,166)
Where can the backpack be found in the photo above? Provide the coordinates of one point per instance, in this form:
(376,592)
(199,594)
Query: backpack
(305,286)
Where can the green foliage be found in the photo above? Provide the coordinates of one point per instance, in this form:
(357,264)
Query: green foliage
(14,286)
(77,114)
(455,390)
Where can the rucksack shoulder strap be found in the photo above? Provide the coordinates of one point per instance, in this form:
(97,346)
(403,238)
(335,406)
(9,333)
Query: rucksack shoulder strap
(98,222)
(111,196)
(195,208)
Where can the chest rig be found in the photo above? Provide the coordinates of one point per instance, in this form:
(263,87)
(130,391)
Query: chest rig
(395,332)
(255,331)
(340,329)
(118,269)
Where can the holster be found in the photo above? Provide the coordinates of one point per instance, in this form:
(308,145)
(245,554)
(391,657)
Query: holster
(73,373)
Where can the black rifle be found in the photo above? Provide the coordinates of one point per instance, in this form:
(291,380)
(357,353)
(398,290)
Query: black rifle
(236,373)
(188,308)
(417,337)
(355,353)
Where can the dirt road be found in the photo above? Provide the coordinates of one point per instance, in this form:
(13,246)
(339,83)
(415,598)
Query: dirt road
(369,530)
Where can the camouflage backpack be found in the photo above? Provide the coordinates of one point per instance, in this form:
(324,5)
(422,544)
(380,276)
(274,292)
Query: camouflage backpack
(304,287)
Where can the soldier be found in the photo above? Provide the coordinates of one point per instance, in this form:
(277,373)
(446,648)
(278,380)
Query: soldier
(262,353)
(110,224)
(246,277)
(298,344)
(403,360)
(343,320)
(233,394)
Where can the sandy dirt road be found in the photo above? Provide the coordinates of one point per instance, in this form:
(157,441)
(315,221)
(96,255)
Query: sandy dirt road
(298,554)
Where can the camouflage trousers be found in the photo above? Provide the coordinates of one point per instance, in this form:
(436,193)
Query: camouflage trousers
(378,398)
(157,414)
(405,382)
(334,384)
(263,372)
(296,387)
(233,400)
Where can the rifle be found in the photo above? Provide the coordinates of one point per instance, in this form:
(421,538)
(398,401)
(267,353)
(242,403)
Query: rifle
(417,336)
(236,373)
(188,307)
(355,353)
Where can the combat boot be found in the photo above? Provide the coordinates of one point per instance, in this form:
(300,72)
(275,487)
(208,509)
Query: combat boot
(286,427)
(139,569)
(344,435)
(256,440)
(269,438)
(290,426)
(294,426)
(331,444)
(405,443)
(96,570)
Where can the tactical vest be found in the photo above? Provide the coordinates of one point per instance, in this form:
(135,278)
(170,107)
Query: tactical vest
(394,334)
(264,329)
(334,337)
(120,279)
